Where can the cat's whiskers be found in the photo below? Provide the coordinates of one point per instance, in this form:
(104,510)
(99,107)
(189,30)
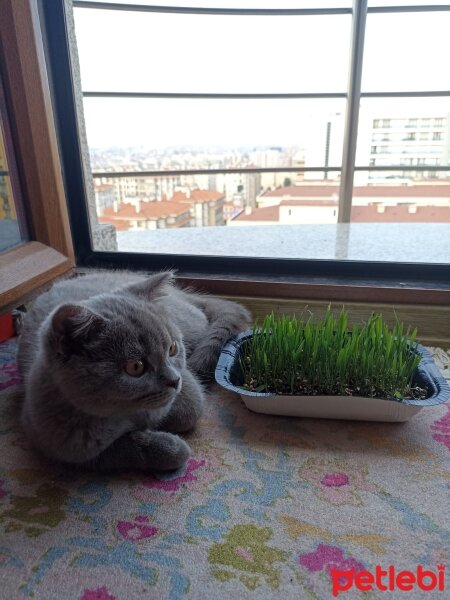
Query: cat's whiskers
(155,400)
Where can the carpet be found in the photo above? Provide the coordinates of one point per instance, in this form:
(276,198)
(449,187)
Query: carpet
(266,507)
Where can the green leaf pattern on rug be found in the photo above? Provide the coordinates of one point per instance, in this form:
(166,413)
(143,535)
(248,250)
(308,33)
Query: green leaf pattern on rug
(246,550)
(35,514)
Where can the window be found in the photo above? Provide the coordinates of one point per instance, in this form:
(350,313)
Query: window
(39,246)
(13,229)
(229,150)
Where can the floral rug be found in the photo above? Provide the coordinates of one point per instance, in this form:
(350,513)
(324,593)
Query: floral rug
(266,508)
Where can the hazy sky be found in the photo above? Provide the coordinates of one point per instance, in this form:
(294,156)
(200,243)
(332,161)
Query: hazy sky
(148,52)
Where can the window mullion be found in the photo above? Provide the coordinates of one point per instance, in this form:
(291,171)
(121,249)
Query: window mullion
(352,114)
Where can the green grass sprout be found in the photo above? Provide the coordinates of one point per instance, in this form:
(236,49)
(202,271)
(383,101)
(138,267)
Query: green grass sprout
(287,355)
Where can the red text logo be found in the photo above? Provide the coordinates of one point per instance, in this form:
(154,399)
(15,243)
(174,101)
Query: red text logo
(388,580)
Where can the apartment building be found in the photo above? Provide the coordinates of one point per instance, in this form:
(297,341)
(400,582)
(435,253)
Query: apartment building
(147,215)
(407,137)
(420,194)
(318,204)
(386,137)
(410,141)
(105,196)
(206,206)
(290,212)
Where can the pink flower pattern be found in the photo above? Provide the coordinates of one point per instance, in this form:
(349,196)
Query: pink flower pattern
(335,480)
(442,429)
(98,594)
(136,530)
(167,488)
(173,485)
(329,557)
(8,376)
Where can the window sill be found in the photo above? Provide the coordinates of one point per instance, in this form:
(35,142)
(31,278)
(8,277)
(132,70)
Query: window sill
(399,242)
(25,270)
(381,245)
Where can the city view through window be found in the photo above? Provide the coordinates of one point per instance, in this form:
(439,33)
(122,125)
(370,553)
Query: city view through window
(224,122)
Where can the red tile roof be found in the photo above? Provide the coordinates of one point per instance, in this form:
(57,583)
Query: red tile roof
(400,214)
(197,196)
(118,224)
(267,213)
(330,202)
(372,191)
(148,211)
(101,187)
(363,214)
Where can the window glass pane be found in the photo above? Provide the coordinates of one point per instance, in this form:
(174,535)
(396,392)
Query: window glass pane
(297,219)
(254,214)
(152,52)
(146,153)
(12,226)
(177,134)
(404,131)
(9,227)
(405,52)
(406,215)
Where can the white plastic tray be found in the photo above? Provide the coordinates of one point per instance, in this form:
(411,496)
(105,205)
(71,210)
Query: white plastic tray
(331,407)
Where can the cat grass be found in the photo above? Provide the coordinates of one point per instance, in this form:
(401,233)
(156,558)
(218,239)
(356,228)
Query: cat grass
(291,356)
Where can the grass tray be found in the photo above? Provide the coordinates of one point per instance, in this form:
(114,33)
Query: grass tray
(360,408)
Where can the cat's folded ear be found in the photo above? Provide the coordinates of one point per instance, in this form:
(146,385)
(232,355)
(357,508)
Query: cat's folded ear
(72,327)
(154,286)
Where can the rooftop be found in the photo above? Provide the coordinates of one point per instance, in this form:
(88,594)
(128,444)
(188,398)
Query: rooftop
(439,190)
(103,187)
(268,213)
(196,196)
(401,214)
(148,211)
(360,214)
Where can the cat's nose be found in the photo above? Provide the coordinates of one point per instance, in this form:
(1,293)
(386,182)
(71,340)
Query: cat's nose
(173,383)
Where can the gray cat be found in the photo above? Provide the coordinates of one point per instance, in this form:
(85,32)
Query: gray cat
(110,364)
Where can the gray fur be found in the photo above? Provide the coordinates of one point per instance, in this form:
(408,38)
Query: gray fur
(81,407)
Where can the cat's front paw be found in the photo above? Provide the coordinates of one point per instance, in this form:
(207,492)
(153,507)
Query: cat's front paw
(203,362)
(161,451)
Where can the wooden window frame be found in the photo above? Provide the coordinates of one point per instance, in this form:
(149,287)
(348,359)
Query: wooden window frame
(30,266)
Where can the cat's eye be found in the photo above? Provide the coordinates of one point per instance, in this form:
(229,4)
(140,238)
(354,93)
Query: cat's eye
(173,349)
(135,368)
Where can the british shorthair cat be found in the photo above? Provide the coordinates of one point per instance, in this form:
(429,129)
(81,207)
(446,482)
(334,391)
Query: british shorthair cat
(112,366)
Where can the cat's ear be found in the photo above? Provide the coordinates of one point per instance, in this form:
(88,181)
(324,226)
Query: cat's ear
(73,326)
(154,286)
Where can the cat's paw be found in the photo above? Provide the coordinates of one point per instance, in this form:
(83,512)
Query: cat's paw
(184,415)
(203,362)
(161,451)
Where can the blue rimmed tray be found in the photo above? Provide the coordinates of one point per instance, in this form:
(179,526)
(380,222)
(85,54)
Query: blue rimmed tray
(361,408)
